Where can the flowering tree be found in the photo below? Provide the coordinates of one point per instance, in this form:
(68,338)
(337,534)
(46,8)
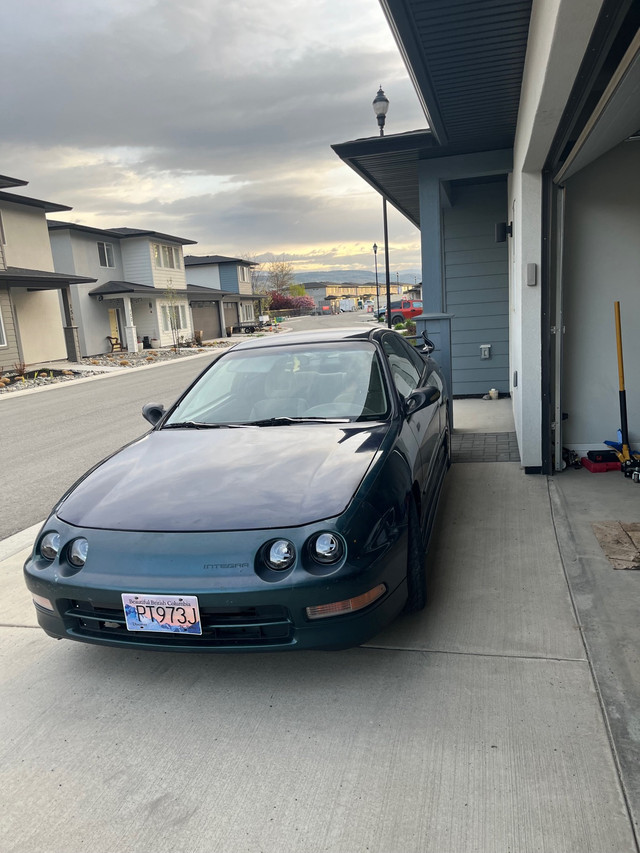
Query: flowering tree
(281,301)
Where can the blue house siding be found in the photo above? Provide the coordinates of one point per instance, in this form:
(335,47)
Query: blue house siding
(229,278)
(477,287)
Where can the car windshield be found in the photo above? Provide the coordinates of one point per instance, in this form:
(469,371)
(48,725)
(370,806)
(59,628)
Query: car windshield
(285,384)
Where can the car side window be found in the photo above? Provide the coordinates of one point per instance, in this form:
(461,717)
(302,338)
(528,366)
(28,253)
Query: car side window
(405,372)
(412,353)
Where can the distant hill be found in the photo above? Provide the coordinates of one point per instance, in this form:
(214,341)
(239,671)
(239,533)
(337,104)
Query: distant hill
(356,276)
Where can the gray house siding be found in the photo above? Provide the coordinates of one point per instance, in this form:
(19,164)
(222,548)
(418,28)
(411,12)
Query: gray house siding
(9,354)
(229,278)
(476,272)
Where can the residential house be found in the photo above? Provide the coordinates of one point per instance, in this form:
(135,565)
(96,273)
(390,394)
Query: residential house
(141,291)
(231,277)
(526,190)
(36,320)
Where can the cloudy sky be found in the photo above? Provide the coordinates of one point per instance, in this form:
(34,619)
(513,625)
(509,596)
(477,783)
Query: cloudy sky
(208,119)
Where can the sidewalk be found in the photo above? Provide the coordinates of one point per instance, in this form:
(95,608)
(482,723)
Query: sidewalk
(477,725)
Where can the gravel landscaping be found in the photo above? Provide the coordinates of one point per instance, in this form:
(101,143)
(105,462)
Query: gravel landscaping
(22,379)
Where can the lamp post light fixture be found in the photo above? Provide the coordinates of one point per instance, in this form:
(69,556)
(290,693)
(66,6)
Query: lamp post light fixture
(380,107)
(375,258)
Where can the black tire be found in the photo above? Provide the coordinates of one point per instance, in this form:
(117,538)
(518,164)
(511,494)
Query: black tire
(397,318)
(416,573)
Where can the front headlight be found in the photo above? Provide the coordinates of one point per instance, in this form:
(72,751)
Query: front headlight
(50,546)
(326,548)
(280,554)
(78,551)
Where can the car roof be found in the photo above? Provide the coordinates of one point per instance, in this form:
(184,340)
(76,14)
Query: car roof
(324,336)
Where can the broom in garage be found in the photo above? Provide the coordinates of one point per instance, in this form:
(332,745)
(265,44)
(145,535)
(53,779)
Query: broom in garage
(629,460)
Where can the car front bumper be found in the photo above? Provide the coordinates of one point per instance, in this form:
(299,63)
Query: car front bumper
(241,609)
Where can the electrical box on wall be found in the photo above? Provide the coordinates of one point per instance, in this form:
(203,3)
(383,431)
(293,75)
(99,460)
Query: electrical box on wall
(532,275)
(485,350)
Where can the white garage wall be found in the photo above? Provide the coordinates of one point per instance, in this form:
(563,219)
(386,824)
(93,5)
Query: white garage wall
(602,265)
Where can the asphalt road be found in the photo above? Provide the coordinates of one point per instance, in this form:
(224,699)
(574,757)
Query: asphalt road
(48,439)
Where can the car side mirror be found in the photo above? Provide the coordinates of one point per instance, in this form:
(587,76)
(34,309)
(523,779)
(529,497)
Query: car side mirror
(429,345)
(421,398)
(153,412)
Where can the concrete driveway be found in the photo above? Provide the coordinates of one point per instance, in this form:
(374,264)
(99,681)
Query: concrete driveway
(473,726)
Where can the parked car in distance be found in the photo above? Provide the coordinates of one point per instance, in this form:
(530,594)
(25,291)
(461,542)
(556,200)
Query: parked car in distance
(401,310)
(285,501)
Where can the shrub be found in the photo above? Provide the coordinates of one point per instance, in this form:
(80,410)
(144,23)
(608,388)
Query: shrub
(280,301)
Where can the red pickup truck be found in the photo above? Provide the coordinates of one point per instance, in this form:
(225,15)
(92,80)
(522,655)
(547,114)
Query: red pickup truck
(401,310)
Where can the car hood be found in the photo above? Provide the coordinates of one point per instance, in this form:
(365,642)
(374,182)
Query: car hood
(225,479)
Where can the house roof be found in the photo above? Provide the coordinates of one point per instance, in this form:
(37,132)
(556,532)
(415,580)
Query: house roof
(466,59)
(47,206)
(115,233)
(39,279)
(6,181)
(202,294)
(204,260)
(137,232)
(114,287)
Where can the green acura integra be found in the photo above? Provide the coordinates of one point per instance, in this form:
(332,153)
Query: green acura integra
(285,501)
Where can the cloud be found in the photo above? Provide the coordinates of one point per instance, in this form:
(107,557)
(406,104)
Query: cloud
(212,120)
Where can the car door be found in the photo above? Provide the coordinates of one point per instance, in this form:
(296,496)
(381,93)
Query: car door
(410,371)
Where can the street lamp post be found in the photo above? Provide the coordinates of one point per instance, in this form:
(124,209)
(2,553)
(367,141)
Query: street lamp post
(380,107)
(375,258)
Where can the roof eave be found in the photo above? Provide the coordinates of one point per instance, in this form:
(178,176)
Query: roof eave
(403,32)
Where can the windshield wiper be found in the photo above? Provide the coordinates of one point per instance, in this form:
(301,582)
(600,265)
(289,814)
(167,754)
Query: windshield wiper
(283,421)
(199,425)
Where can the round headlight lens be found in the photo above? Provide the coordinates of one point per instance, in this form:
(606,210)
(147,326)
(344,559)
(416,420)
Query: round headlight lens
(78,551)
(280,555)
(327,548)
(50,546)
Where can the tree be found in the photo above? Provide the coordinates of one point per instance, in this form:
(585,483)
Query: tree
(281,301)
(259,282)
(280,275)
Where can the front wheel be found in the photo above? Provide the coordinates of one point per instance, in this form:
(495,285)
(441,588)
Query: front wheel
(416,574)
(397,319)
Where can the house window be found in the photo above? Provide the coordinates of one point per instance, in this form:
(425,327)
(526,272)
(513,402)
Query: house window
(174,317)
(244,274)
(167,257)
(3,337)
(3,239)
(105,254)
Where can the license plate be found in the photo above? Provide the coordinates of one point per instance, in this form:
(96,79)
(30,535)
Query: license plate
(177,614)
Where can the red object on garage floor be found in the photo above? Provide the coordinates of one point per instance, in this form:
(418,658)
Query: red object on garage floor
(598,467)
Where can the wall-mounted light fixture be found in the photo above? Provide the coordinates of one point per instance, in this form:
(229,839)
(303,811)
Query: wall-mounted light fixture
(502,230)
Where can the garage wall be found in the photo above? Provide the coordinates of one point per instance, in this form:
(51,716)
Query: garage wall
(602,265)
(476,271)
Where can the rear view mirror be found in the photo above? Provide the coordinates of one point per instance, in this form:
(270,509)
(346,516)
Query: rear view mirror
(153,412)
(421,398)
(429,345)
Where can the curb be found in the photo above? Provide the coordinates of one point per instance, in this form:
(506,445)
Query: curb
(116,372)
(12,545)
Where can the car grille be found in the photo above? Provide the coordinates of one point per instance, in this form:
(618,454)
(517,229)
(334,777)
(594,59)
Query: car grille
(222,627)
